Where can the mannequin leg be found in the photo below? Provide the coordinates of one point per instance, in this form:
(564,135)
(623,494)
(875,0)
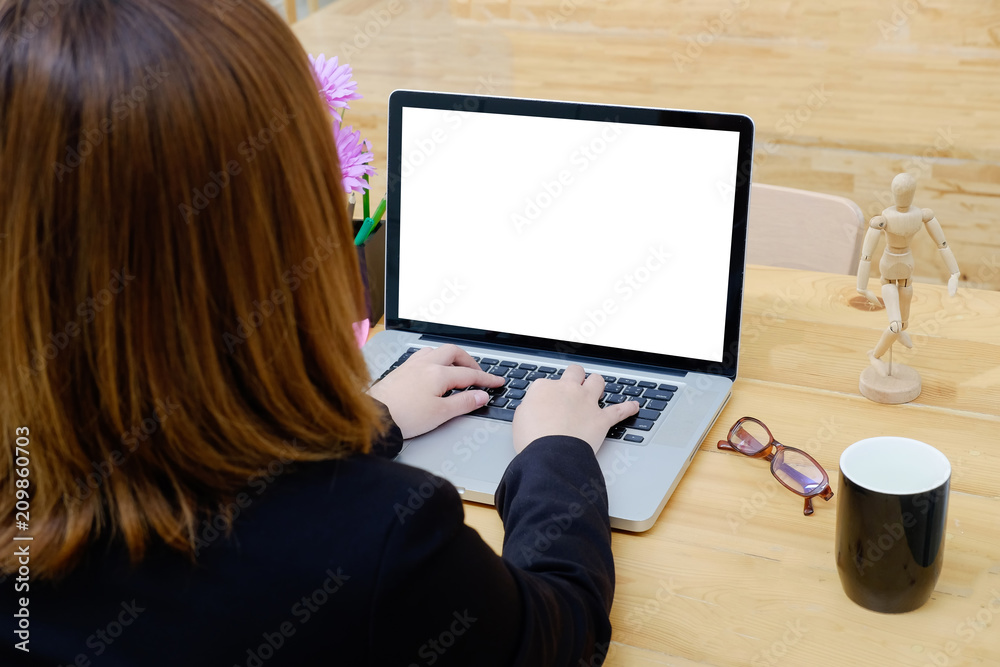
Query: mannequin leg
(905,296)
(890,294)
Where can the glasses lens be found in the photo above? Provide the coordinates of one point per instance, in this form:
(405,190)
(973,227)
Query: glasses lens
(798,472)
(750,438)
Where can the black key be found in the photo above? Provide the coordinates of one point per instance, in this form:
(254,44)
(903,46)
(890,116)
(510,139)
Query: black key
(638,399)
(637,424)
(651,415)
(494,413)
(476,359)
(667,387)
(612,388)
(499,401)
(560,371)
(394,366)
(498,370)
(616,434)
(485,367)
(656,405)
(656,395)
(536,376)
(515,393)
(513,405)
(404,357)
(545,369)
(529,367)
(517,373)
(616,398)
(610,378)
(628,382)
(632,391)
(518,384)
(499,391)
(508,364)
(632,437)
(488,361)
(646,384)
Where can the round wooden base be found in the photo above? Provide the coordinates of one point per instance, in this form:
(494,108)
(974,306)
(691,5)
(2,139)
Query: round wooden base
(901,387)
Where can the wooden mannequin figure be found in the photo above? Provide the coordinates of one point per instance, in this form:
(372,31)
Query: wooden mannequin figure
(884,382)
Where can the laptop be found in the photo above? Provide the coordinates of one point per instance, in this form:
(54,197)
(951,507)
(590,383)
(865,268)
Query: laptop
(535,234)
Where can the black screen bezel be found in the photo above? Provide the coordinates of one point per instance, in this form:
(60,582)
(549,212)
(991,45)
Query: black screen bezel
(727,367)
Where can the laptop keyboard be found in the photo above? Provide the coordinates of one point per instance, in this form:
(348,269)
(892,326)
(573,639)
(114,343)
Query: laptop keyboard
(653,397)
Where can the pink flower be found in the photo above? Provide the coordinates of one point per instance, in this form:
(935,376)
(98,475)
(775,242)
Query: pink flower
(335,85)
(353,154)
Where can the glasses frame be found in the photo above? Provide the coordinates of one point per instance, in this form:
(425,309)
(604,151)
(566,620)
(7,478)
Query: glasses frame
(769,451)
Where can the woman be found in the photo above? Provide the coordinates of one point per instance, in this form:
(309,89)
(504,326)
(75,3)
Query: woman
(202,487)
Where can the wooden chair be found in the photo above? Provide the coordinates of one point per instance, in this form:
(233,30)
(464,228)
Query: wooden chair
(799,229)
(291,14)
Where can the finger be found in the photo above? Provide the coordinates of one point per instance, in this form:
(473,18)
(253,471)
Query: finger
(573,373)
(463,403)
(617,412)
(452,355)
(594,385)
(459,376)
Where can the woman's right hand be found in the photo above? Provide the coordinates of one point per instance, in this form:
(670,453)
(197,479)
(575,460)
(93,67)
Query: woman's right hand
(568,406)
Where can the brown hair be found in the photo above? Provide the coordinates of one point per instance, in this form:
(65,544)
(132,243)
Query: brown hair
(178,279)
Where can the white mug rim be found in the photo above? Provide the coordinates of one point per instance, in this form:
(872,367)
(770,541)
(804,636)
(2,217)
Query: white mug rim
(936,466)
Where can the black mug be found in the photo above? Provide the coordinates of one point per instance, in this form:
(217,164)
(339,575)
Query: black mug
(891,520)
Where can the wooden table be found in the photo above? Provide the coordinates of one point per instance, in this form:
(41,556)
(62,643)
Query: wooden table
(734,574)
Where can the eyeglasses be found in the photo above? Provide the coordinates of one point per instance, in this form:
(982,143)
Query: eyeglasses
(797,471)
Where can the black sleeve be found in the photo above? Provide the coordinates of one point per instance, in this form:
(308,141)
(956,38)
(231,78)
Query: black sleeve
(444,598)
(554,505)
(391,442)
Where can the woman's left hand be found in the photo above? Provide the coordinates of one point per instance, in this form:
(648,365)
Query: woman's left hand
(413,392)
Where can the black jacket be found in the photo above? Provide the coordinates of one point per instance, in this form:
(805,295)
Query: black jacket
(360,561)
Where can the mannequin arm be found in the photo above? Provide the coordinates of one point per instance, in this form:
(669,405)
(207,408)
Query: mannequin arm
(934,229)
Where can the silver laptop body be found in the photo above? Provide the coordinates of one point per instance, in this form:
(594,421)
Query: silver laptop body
(536,234)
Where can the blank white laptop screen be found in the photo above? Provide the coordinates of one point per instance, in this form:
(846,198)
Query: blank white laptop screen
(603,233)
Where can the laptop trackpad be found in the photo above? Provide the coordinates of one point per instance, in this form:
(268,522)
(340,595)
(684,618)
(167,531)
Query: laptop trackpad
(465,450)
